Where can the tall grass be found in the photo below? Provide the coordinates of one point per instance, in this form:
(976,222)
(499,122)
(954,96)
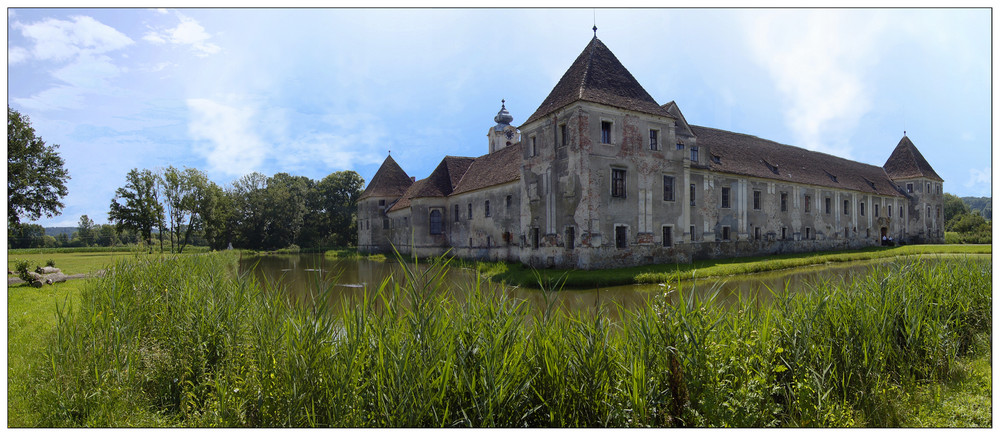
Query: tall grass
(187,342)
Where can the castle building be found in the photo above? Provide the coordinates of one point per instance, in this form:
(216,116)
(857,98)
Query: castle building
(602,176)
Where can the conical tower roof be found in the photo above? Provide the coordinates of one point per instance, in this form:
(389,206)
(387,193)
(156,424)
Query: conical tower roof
(906,162)
(389,181)
(597,76)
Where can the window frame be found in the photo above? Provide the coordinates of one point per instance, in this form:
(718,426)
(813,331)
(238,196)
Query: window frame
(439,223)
(607,129)
(619,183)
(654,139)
(726,192)
(668,188)
(756,199)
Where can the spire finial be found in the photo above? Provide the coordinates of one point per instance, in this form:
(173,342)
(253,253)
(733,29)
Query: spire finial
(595,23)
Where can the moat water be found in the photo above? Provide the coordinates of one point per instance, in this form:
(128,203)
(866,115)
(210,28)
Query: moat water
(304,274)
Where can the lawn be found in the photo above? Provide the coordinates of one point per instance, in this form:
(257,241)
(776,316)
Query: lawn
(668,273)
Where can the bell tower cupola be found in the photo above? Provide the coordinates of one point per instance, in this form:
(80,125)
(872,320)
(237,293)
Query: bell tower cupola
(503,134)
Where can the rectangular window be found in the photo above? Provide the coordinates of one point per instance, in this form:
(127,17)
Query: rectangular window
(563,137)
(680,146)
(784,232)
(808,232)
(756,200)
(455,213)
(808,200)
(725,233)
(534,238)
(489,241)
(621,237)
(605,132)
(846,232)
(692,233)
(756,233)
(900,211)
(928,190)
(928,212)
(381,203)
(617,183)
(888,210)
(436,226)
(653,139)
(570,238)
(694,154)
(826,202)
(470,211)
(668,188)
(487,208)
(909,188)
(692,194)
(668,238)
(534,148)
(847,204)
(508,202)
(862,210)
(725,198)
(784,201)
(876,210)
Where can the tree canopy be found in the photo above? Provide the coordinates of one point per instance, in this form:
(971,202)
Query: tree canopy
(36,177)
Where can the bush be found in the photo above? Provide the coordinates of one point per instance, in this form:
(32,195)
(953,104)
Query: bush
(21,267)
(50,262)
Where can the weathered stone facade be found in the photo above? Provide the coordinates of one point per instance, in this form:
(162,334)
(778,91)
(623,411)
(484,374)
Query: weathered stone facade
(602,176)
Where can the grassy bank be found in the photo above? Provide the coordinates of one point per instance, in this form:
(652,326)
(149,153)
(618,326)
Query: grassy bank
(667,273)
(176,342)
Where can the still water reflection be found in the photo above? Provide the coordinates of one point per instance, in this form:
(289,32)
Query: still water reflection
(305,273)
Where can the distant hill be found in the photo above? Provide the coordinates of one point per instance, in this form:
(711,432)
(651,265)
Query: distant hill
(55,231)
(983,204)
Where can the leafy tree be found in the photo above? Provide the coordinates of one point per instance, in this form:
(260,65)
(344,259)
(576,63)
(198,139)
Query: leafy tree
(333,208)
(141,209)
(25,236)
(250,220)
(106,236)
(217,210)
(183,193)
(953,207)
(285,209)
(85,231)
(36,178)
(971,223)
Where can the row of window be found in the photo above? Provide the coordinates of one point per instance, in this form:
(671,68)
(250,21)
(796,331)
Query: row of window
(927,188)
(618,185)
(606,138)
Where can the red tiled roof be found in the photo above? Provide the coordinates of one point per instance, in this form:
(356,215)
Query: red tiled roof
(752,156)
(499,167)
(906,162)
(389,181)
(597,76)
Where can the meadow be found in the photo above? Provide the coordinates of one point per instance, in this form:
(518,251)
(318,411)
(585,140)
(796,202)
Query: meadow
(188,341)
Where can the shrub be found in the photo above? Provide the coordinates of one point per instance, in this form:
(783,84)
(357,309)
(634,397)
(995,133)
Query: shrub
(50,262)
(21,269)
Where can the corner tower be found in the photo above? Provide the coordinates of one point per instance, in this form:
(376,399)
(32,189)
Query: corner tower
(910,172)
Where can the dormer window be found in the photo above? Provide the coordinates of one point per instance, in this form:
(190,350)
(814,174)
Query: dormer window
(909,188)
(605,132)
(716,159)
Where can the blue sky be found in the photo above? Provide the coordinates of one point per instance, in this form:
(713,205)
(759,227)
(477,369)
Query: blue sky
(313,91)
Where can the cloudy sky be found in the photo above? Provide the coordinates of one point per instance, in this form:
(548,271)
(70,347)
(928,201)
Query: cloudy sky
(313,91)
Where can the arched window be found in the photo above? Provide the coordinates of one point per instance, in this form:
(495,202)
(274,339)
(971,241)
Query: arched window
(436,227)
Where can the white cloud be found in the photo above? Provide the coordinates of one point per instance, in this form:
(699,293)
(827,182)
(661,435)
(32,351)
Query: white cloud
(60,40)
(188,33)
(16,55)
(58,97)
(817,62)
(231,146)
(979,178)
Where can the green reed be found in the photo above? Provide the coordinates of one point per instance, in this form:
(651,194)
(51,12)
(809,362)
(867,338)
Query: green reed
(187,341)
